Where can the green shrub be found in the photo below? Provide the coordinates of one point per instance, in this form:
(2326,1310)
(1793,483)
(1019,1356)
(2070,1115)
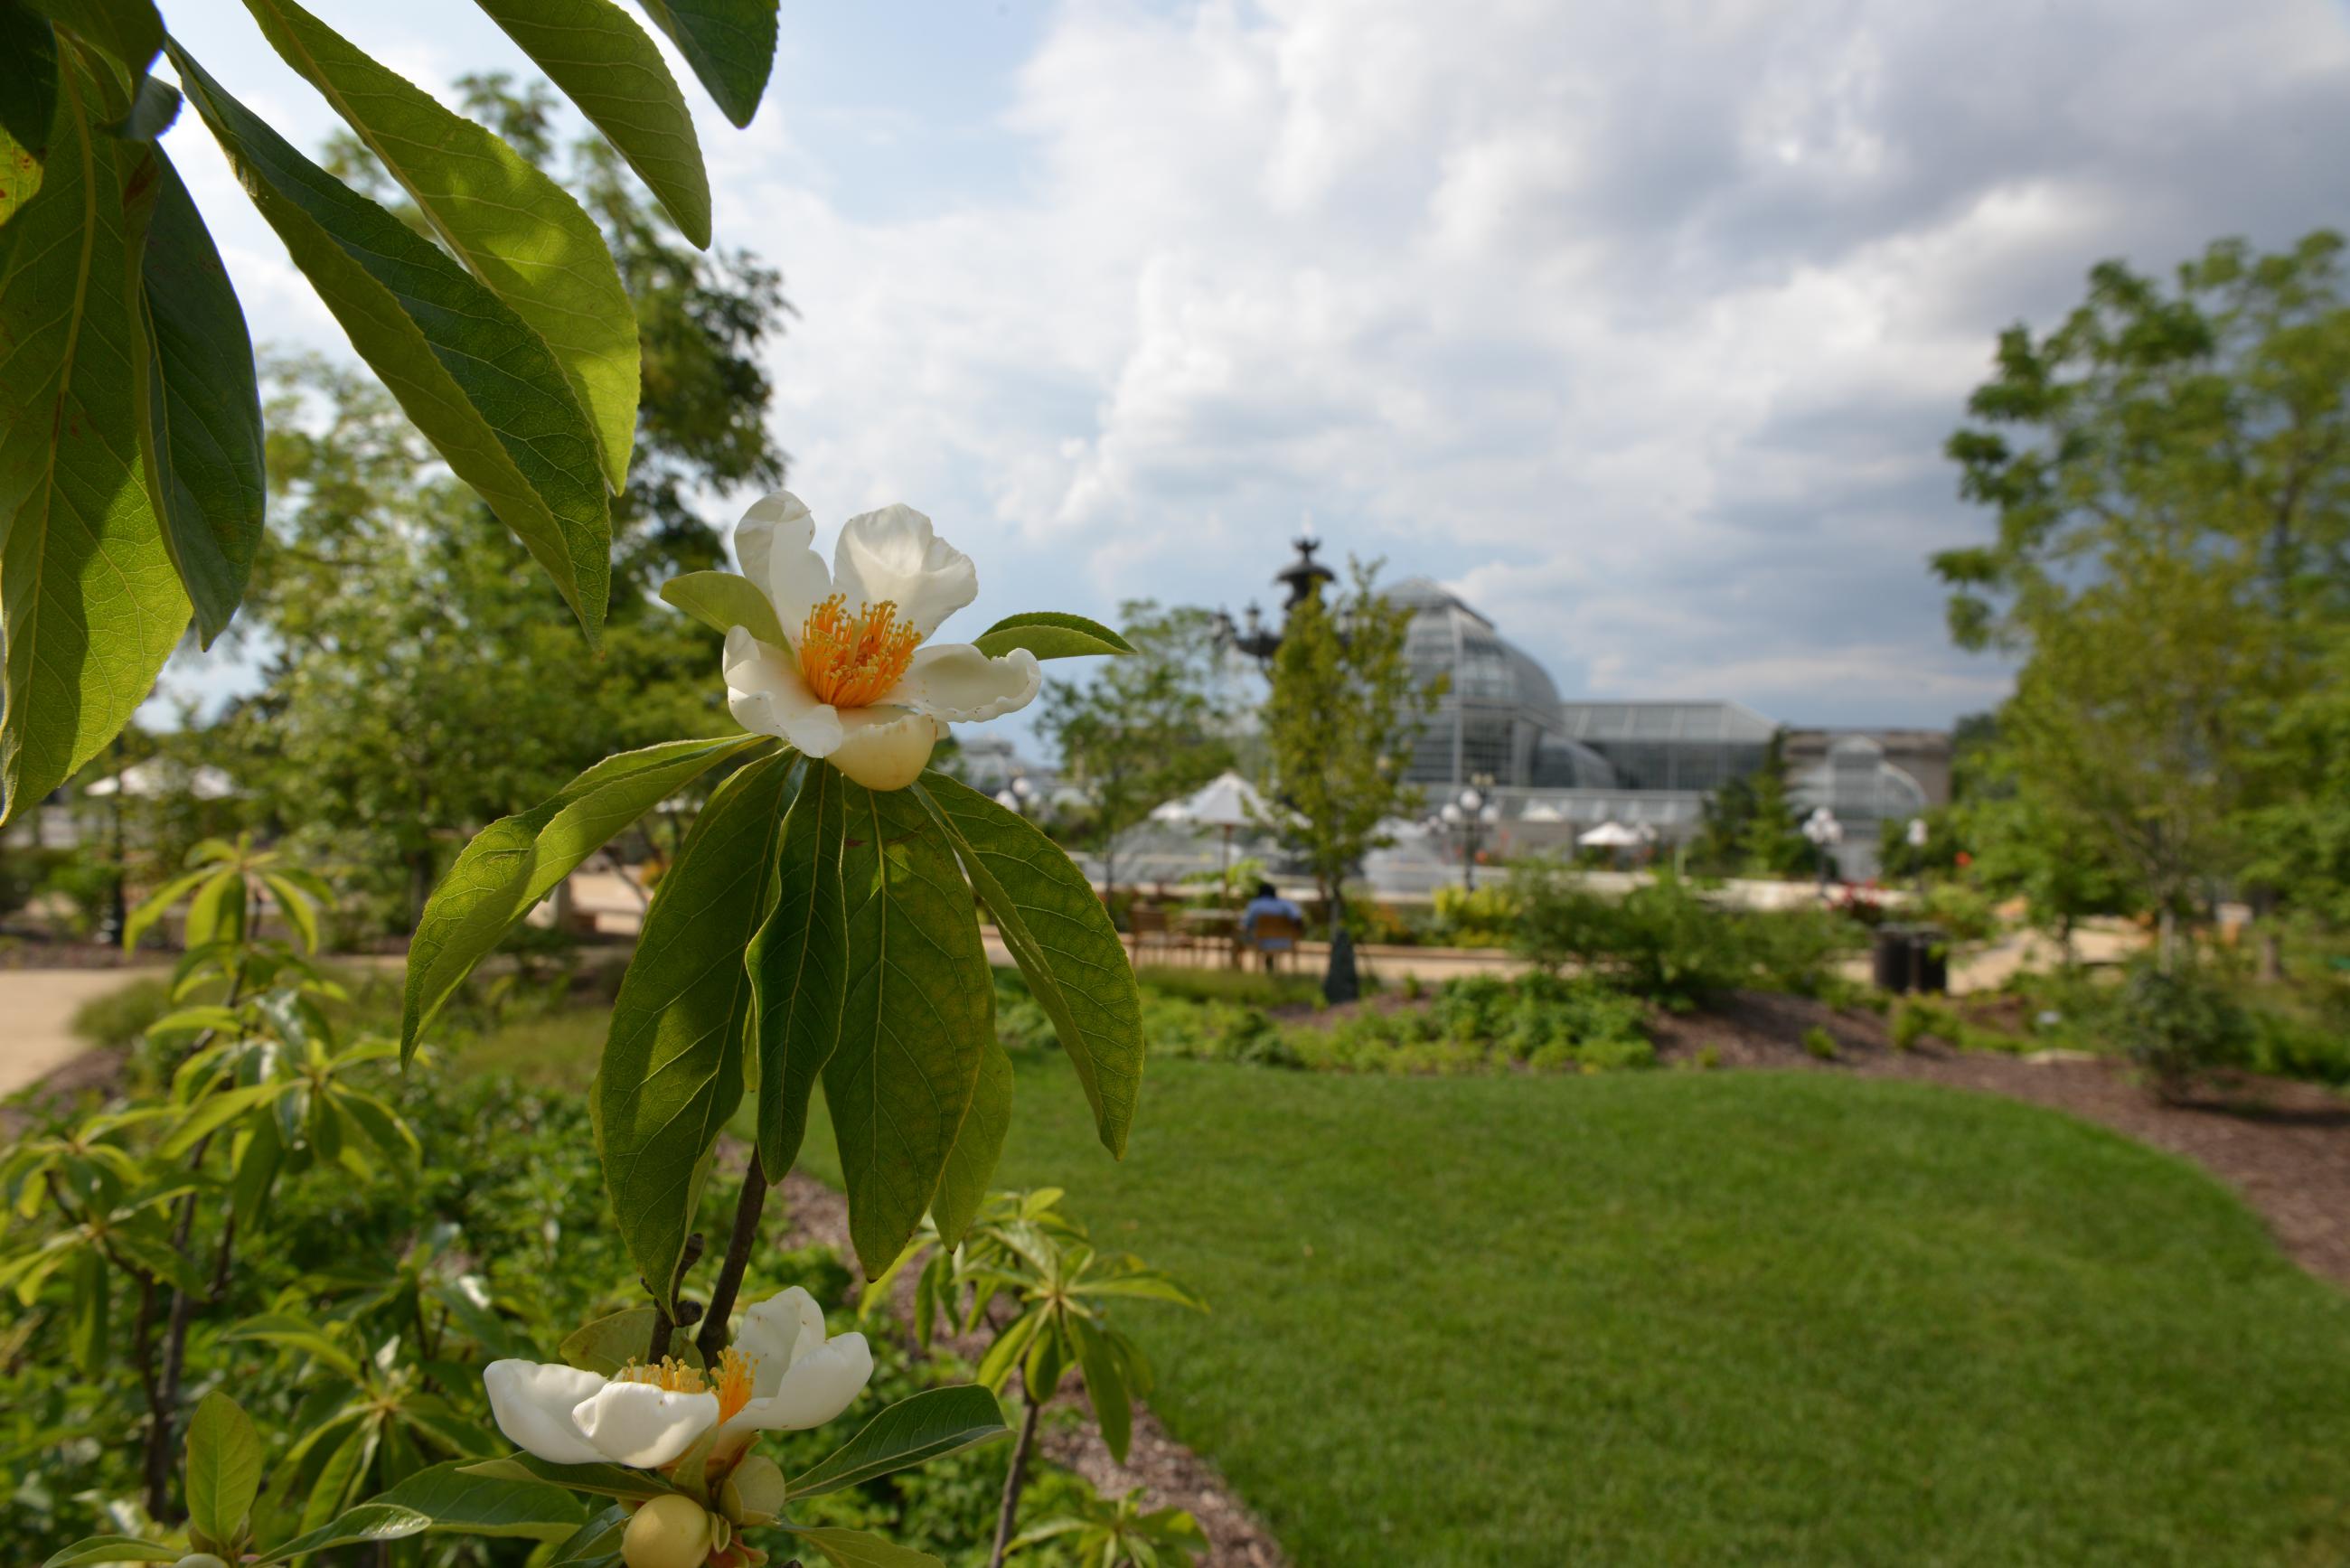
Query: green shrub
(119,1018)
(1664,942)
(1912,1021)
(1819,1044)
(2180,1025)
(1485,917)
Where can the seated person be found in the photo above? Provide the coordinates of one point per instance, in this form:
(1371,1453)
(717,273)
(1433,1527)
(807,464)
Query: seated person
(1268,902)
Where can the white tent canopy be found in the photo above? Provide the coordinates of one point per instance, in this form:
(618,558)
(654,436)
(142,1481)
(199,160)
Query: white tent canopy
(1610,836)
(1542,811)
(157,779)
(1227,801)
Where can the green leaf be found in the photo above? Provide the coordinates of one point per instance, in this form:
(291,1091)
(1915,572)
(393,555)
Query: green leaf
(1048,634)
(673,1067)
(462,1501)
(225,1458)
(799,962)
(979,1143)
(339,1478)
(209,1116)
(158,903)
(296,905)
(130,31)
(730,43)
(471,373)
(605,1480)
(368,1522)
(111,1549)
(217,911)
(1106,1386)
(913,1431)
(512,225)
(517,860)
(89,607)
(608,67)
(918,1018)
(610,1343)
(596,1541)
(293,1333)
(200,408)
(1061,937)
(722,601)
(862,1549)
(29,104)
(193,1019)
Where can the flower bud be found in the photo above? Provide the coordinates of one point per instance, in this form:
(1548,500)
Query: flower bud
(670,1531)
(753,1494)
(200,1560)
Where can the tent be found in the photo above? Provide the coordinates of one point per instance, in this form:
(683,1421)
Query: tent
(157,779)
(1542,811)
(1225,801)
(1610,836)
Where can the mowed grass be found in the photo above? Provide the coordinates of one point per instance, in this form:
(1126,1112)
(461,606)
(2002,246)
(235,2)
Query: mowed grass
(1679,1318)
(1682,1318)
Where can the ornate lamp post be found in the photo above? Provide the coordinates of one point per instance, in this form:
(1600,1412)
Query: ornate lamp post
(1467,817)
(1824,830)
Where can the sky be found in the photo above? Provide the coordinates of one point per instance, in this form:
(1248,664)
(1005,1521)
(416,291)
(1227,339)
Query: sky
(1638,322)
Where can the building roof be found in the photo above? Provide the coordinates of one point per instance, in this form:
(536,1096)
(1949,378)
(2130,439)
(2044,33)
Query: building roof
(1665,720)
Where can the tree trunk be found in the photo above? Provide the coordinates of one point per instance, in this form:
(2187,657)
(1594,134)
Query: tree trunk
(1014,1480)
(2165,950)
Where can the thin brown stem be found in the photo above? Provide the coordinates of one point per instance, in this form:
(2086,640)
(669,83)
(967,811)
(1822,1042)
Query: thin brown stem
(662,1328)
(747,1207)
(1015,1479)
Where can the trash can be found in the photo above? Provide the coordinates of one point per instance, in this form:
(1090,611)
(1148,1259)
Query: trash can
(1910,957)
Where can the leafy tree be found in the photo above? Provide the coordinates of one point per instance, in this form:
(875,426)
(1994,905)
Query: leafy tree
(1145,729)
(1339,723)
(2172,472)
(1749,822)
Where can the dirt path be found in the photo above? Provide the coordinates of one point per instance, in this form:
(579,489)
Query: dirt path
(1170,1474)
(37,1009)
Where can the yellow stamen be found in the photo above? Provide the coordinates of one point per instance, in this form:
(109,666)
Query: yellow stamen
(852,661)
(735,1381)
(672,1376)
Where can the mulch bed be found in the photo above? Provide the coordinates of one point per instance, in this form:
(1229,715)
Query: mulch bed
(19,950)
(1169,1474)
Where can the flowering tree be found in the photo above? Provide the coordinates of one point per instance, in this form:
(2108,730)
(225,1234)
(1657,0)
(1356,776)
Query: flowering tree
(819,923)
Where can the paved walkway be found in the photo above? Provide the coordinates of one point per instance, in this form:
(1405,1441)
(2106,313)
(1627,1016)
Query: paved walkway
(37,1009)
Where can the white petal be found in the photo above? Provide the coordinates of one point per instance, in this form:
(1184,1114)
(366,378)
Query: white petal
(767,696)
(532,1402)
(820,1386)
(775,543)
(786,1326)
(957,682)
(641,1424)
(884,748)
(893,554)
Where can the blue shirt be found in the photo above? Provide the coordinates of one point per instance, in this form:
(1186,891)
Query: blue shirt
(1259,907)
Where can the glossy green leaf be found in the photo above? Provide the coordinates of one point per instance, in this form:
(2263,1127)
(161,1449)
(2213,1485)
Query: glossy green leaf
(216,1113)
(517,860)
(216,914)
(484,387)
(605,1480)
(369,1522)
(225,1457)
(513,226)
(1059,934)
(202,408)
(723,600)
(596,1541)
(607,64)
(110,1549)
(462,1502)
(28,103)
(339,1478)
(730,45)
(799,969)
(89,607)
(297,908)
(672,1066)
(1048,634)
(918,1020)
(979,1144)
(613,1341)
(129,31)
(1105,1388)
(860,1549)
(153,107)
(913,1431)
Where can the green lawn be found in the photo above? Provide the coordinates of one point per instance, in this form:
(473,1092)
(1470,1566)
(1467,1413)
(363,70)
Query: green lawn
(1697,1318)
(1688,1318)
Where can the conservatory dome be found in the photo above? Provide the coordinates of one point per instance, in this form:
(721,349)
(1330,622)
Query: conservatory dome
(1499,715)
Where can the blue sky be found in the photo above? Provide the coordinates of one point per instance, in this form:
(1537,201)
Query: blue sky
(1640,324)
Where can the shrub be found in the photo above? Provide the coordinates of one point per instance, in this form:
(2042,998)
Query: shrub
(119,1018)
(1819,1044)
(1485,917)
(1912,1021)
(2180,1025)
(1664,942)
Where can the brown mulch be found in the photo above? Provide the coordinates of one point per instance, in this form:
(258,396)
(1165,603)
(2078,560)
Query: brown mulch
(19,950)
(2284,1146)
(1169,1474)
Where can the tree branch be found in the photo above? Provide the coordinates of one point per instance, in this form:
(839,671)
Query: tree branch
(747,1207)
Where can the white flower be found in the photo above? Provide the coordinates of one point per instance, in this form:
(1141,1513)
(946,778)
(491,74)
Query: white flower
(781,1374)
(856,686)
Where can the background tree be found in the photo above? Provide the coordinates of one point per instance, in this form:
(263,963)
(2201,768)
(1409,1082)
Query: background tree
(1750,822)
(1143,729)
(2171,471)
(1339,724)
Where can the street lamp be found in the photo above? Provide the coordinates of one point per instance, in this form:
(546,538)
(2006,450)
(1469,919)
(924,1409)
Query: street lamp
(1824,830)
(1468,816)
